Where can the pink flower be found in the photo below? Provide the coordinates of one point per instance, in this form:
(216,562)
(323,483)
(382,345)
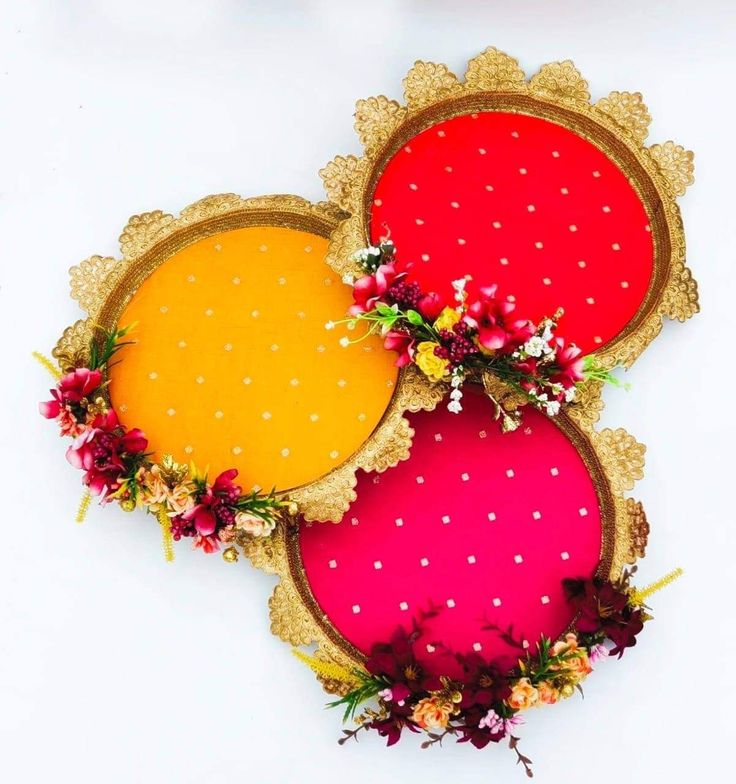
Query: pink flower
(597,653)
(369,290)
(402,343)
(569,364)
(430,306)
(496,331)
(497,725)
(101,452)
(214,508)
(68,393)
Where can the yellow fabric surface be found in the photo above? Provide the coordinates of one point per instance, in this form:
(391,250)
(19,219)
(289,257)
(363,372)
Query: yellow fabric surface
(233,366)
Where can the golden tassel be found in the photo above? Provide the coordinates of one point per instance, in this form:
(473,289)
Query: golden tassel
(42,359)
(639,595)
(167,539)
(327,670)
(83,507)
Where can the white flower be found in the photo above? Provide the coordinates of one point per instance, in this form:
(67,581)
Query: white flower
(330,325)
(344,342)
(374,251)
(547,334)
(570,394)
(454,407)
(456,394)
(348,279)
(536,346)
(552,408)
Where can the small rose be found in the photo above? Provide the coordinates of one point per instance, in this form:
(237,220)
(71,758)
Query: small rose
(254,524)
(523,695)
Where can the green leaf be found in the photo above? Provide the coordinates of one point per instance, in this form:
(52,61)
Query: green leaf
(414,318)
(386,310)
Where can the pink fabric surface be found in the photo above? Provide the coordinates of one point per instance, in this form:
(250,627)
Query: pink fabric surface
(524,203)
(481,524)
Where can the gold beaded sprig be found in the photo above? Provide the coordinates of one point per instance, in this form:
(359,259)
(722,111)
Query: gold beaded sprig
(42,359)
(638,596)
(83,507)
(166,538)
(325,669)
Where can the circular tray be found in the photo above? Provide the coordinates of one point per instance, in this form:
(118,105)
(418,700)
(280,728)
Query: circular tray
(231,365)
(527,185)
(478,525)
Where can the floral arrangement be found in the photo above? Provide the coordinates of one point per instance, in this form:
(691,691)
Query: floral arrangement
(486,704)
(519,362)
(117,467)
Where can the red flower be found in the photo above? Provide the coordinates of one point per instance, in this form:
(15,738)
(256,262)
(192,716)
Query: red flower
(430,306)
(102,451)
(371,289)
(70,390)
(402,343)
(214,510)
(569,364)
(496,331)
(209,544)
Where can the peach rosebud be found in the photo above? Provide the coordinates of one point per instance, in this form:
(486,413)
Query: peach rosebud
(432,713)
(523,695)
(253,524)
(568,645)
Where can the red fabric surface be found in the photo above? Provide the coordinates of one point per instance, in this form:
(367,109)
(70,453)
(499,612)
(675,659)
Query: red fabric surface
(527,204)
(450,525)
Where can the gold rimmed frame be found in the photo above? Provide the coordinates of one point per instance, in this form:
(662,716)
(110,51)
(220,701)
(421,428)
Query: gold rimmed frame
(615,461)
(104,285)
(494,81)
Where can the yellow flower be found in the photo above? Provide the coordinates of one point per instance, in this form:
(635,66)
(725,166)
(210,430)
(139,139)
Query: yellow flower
(432,713)
(434,367)
(447,319)
(523,695)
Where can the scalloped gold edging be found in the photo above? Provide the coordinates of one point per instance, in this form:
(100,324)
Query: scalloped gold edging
(617,124)
(104,285)
(615,461)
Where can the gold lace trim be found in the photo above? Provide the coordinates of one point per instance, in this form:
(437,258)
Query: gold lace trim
(494,81)
(103,286)
(615,461)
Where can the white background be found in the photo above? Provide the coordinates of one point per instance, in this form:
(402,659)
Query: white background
(117,667)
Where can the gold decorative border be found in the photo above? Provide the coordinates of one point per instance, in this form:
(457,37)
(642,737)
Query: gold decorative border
(104,285)
(615,461)
(494,81)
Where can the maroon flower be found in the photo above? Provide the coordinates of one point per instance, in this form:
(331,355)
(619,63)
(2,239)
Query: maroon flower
(604,608)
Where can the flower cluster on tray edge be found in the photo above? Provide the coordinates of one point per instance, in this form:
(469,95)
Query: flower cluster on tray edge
(485,704)
(117,466)
(477,337)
